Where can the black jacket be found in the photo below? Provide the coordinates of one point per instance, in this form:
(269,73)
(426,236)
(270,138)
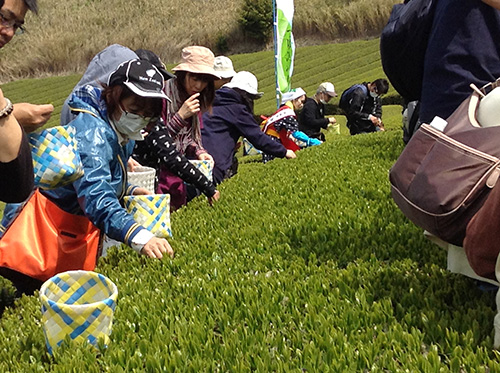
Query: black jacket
(361,105)
(312,118)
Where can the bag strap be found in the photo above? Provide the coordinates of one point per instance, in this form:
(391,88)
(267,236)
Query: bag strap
(487,88)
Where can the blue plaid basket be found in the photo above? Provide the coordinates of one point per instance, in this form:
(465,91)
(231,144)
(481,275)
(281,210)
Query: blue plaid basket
(249,149)
(152,212)
(56,161)
(80,304)
(206,167)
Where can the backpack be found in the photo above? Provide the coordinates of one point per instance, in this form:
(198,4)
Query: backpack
(346,96)
(403,44)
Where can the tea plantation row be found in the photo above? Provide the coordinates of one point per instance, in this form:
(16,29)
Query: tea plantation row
(342,64)
(303,264)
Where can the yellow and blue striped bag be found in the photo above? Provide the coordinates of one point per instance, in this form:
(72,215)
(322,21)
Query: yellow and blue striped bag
(152,211)
(206,167)
(56,161)
(78,304)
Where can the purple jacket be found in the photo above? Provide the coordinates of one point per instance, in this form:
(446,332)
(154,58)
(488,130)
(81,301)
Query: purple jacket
(231,119)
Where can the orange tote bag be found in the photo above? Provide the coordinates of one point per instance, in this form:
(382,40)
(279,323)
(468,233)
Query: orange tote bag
(44,240)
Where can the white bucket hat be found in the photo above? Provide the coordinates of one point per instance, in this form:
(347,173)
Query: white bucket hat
(292,95)
(246,81)
(224,67)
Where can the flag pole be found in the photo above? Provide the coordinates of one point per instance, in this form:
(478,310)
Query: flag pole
(275,33)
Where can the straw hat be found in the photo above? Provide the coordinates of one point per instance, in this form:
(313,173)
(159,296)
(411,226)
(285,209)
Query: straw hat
(198,60)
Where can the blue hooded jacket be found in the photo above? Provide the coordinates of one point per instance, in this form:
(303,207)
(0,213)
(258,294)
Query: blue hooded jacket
(97,194)
(230,119)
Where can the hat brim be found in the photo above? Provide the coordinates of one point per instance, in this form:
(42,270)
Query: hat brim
(226,74)
(146,93)
(331,94)
(252,92)
(197,69)
(166,74)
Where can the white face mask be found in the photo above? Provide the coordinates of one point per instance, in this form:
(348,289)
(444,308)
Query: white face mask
(373,94)
(322,101)
(131,125)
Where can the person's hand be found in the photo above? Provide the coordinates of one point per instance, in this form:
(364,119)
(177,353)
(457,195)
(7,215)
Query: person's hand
(332,120)
(140,191)
(156,247)
(214,198)
(290,154)
(3,103)
(374,119)
(190,107)
(205,157)
(132,164)
(30,116)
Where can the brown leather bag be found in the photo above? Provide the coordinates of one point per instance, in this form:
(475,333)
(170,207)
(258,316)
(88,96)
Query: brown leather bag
(482,238)
(442,178)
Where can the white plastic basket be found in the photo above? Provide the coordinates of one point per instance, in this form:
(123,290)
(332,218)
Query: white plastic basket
(143,176)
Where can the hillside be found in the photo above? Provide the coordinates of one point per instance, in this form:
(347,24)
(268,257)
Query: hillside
(343,64)
(66,34)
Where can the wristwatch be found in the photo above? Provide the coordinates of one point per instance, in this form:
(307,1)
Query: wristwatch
(7,110)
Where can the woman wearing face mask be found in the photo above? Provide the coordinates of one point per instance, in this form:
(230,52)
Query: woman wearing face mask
(364,107)
(191,92)
(283,126)
(108,120)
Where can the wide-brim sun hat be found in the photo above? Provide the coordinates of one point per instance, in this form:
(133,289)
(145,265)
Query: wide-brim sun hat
(224,67)
(292,95)
(197,60)
(245,81)
(141,77)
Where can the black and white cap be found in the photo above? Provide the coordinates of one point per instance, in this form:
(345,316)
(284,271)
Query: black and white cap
(141,77)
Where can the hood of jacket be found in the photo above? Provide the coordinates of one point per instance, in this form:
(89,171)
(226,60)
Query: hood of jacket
(227,96)
(89,99)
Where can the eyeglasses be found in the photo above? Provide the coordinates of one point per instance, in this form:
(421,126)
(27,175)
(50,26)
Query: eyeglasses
(150,118)
(12,24)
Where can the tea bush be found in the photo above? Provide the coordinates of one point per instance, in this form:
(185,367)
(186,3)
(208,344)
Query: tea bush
(303,265)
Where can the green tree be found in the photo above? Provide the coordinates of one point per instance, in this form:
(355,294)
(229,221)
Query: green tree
(257,19)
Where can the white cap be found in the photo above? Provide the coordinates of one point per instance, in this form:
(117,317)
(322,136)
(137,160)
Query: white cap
(327,88)
(292,95)
(224,67)
(246,81)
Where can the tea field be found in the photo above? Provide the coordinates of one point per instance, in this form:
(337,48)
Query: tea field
(304,265)
(342,64)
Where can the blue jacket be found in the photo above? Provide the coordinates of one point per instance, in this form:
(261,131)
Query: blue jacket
(230,119)
(97,194)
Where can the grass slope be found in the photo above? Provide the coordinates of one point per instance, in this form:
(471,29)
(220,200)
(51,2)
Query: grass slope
(66,34)
(343,64)
(304,264)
